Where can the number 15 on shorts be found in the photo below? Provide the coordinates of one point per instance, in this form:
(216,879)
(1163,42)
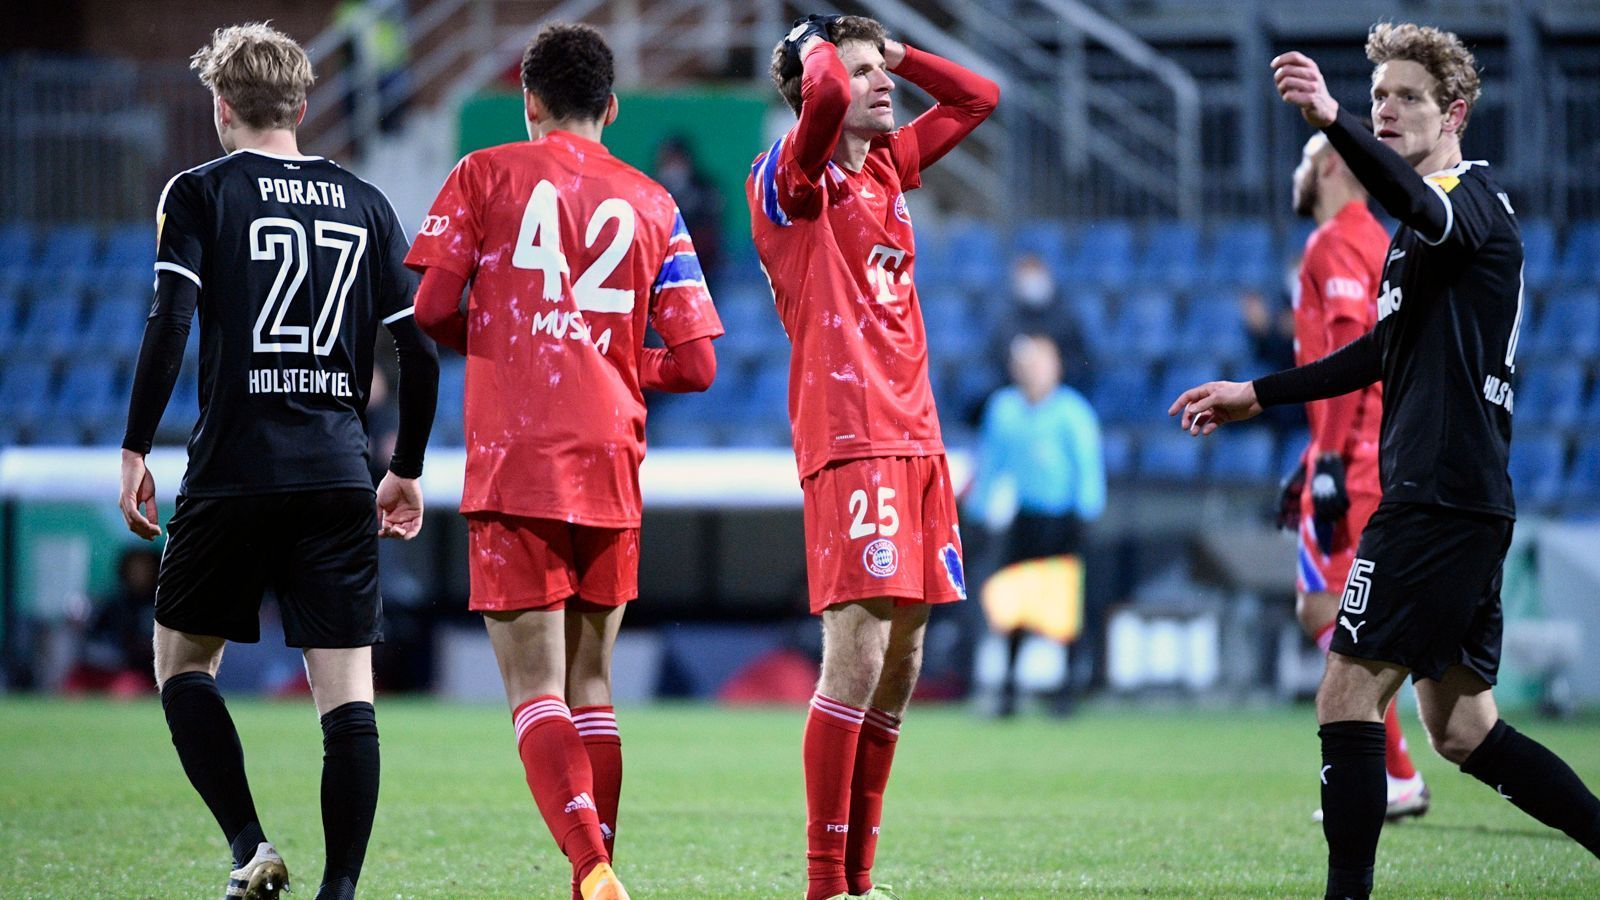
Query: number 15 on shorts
(888,520)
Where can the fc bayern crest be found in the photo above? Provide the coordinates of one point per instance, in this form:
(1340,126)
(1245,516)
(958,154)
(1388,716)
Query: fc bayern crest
(951,557)
(881,558)
(900,211)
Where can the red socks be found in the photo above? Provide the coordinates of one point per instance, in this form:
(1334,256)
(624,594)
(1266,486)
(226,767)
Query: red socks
(560,778)
(833,730)
(874,754)
(1395,758)
(597,726)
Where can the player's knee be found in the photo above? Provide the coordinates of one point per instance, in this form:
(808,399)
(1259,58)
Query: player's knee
(1454,743)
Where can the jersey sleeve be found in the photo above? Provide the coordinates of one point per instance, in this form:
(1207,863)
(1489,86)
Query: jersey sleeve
(905,152)
(451,235)
(1470,209)
(397,285)
(180,228)
(680,304)
(1343,282)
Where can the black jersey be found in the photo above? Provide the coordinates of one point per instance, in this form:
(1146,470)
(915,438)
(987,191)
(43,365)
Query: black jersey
(1448,316)
(297,262)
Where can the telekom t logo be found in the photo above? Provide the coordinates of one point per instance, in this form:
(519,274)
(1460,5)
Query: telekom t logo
(883,268)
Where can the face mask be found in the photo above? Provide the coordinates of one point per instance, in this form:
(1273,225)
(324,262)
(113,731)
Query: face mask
(1033,287)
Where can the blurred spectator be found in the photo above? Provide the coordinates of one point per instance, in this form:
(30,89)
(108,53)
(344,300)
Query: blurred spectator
(376,56)
(1040,478)
(1270,328)
(116,655)
(1038,307)
(698,201)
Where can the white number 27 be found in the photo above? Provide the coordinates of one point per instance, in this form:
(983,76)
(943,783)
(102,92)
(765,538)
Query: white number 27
(888,520)
(538,248)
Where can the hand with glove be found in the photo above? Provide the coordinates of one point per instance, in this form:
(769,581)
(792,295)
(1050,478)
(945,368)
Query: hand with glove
(1329,501)
(801,34)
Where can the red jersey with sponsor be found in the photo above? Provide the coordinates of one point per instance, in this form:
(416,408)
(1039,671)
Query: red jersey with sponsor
(838,248)
(570,253)
(1337,303)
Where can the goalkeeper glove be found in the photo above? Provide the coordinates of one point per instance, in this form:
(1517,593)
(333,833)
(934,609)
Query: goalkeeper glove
(1329,501)
(802,31)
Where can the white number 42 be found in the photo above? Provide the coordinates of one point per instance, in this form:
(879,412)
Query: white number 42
(538,248)
(888,520)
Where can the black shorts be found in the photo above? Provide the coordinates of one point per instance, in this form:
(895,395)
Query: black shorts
(1424,591)
(316,550)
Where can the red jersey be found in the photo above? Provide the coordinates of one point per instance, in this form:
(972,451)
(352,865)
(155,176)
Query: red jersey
(570,253)
(1337,303)
(839,250)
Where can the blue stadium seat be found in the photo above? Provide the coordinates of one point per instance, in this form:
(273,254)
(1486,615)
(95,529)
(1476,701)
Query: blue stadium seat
(53,321)
(1105,254)
(1047,239)
(1117,449)
(1179,377)
(948,321)
(1244,455)
(673,421)
(1583,481)
(975,254)
(115,329)
(1213,329)
(1170,455)
(1242,254)
(67,250)
(184,408)
(751,323)
(1537,461)
(1550,395)
(129,247)
(1291,450)
(1121,393)
(1580,258)
(1568,328)
(25,391)
(1538,252)
(1143,328)
(90,392)
(1171,255)
(16,243)
(52,432)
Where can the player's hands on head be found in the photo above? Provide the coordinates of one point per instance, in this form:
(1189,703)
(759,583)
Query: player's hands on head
(1300,83)
(399,507)
(137,497)
(894,53)
(1213,404)
(801,34)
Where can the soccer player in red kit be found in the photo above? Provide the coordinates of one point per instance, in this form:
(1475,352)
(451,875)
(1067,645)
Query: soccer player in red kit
(1337,488)
(571,253)
(830,223)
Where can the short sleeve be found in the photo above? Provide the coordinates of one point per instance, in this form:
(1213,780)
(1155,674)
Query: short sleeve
(680,304)
(1344,282)
(451,235)
(181,228)
(397,285)
(1470,209)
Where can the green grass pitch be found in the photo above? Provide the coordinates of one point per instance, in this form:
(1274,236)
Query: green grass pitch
(1170,803)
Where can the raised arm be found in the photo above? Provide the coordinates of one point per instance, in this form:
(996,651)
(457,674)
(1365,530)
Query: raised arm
(825,97)
(963,99)
(1386,175)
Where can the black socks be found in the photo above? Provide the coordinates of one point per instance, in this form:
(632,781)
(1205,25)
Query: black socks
(208,747)
(1354,796)
(1537,782)
(349,794)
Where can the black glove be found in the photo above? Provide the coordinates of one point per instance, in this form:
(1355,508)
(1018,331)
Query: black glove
(803,30)
(1289,491)
(1329,501)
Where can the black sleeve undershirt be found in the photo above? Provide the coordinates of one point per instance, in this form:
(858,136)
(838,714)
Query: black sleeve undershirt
(418,395)
(1350,368)
(1388,177)
(160,357)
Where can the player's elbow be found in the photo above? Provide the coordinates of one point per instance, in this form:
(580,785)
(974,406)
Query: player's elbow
(985,98)
(699,376)
(829,91)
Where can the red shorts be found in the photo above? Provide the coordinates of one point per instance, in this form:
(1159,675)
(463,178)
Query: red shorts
(882,527)
(518,563)
(1318,573)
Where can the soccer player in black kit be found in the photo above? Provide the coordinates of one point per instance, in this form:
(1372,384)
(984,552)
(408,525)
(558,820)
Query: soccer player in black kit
(291,262)
(1423,595)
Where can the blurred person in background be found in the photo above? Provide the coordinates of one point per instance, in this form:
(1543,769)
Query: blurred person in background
(1337,489)
(1039,307)
(699,201)
(1040,479)
(116,655)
